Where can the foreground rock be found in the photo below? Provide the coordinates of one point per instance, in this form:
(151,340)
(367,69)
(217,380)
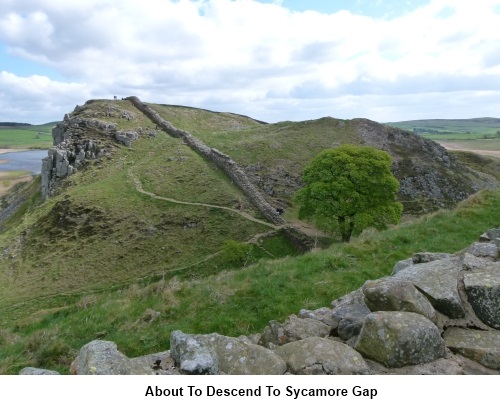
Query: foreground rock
(477,345)
(398,339)
(438,280)
(483,291)
(101,357)
(217,354)
(349,313)
(293,329)
(390,294)
(319,356)
(37,371)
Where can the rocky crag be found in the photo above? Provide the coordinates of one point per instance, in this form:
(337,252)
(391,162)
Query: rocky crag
(430,177)
(76,141)
(437,313)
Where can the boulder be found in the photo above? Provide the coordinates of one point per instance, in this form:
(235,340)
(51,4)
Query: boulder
(490,235)
(402,264)
(471,263)
(437,367)
(398,339)
(438,280)
(126,137)
(293,329)
(322,356)
(484,249)
(392,294)
(217,354)
(273,335)
(160,363)
(483,292)
(37,371)
(478,345)
(321,314)
(349,313)
(101,357)
(426,257)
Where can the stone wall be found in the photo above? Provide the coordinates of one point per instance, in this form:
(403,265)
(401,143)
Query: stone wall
(223,161)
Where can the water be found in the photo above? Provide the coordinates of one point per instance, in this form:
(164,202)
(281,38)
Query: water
(30,161)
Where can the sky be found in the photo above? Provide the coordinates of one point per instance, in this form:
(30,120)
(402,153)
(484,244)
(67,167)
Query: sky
(273,60)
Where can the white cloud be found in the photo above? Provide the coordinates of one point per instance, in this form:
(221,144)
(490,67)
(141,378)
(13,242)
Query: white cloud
(244,54)
(37,99)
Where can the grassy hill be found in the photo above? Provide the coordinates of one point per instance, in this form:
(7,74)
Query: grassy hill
(48,332)
(157,226)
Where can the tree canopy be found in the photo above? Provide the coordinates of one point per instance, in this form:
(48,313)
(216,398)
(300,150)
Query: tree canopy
(349,188)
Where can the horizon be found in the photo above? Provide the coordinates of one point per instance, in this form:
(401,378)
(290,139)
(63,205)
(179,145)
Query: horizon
(387,61)
(233,112)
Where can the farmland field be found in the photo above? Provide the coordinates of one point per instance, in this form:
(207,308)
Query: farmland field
(460,129)
(26,137)
(489,147)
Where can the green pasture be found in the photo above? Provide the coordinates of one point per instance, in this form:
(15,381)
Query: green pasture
(27,137)
(450,129)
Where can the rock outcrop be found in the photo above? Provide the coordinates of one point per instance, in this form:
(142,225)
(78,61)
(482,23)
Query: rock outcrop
(76,140)
(395,325)
(83,136)
(428,175)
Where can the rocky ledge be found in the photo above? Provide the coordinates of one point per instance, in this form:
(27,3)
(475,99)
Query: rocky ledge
(436,314)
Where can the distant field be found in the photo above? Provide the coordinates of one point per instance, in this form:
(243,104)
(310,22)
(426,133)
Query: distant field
(26,137)
(443,129)
(9,179)
(488,147)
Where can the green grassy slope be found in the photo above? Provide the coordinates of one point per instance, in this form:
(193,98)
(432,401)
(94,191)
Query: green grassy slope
(101,232)
(269,151)
(239,301)
(249,142)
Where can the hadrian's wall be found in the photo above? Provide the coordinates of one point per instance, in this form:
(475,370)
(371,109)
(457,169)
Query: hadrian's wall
(223,161)
(233,170)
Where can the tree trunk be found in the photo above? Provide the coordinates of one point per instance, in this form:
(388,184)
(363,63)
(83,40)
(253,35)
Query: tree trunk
(346,228)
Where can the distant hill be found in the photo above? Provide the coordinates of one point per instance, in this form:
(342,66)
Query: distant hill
(472,128)
(28,126)
(14,124)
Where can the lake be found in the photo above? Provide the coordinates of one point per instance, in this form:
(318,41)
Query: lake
(30,161)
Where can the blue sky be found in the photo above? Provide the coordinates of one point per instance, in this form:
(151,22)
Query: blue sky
(373,8)
(275,60)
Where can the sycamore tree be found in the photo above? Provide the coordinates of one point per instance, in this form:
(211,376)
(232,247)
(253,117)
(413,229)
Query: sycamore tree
(348,189)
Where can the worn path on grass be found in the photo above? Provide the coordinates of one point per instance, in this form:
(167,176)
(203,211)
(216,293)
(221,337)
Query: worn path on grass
(140,189)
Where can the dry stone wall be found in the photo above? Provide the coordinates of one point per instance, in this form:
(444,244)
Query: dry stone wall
(436,314)
(223,161)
